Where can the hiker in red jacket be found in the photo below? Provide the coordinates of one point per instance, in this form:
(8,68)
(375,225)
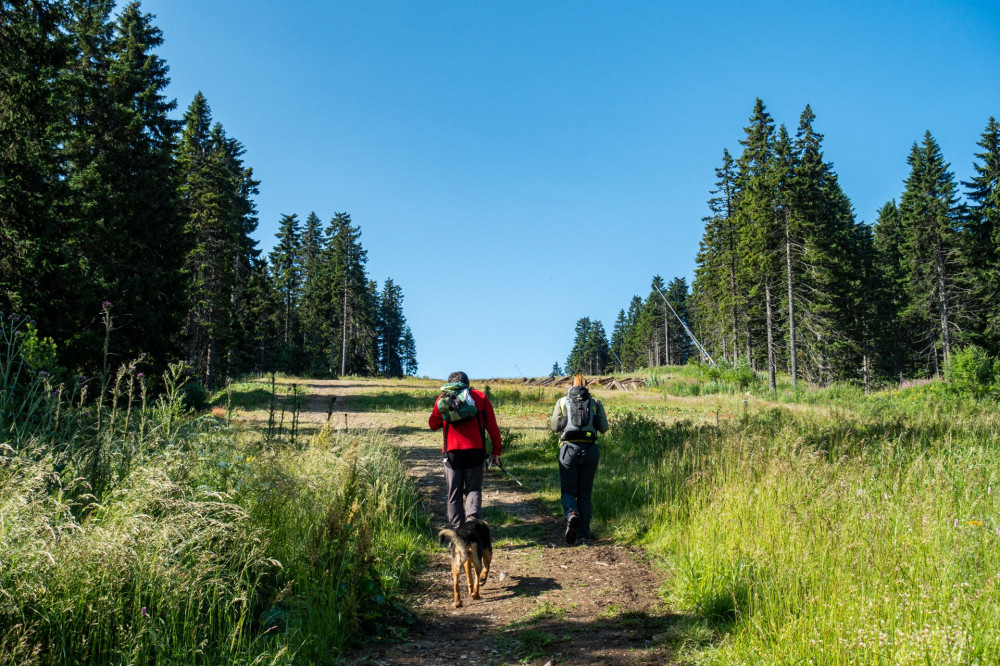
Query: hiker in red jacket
(466,415)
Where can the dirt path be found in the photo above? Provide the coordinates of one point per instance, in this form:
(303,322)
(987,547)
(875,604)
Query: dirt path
(544,601)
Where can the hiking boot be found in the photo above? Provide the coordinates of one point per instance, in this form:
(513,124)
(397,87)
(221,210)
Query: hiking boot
(571,525)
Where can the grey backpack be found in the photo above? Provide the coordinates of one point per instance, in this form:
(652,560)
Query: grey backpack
(579,416)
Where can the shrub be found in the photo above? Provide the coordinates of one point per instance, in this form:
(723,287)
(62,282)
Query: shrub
(970,370)
(742,375)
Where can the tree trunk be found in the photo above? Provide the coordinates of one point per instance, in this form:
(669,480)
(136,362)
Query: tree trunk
(791,304)
(771,380)
(343,337)
(666,337)
(943,302)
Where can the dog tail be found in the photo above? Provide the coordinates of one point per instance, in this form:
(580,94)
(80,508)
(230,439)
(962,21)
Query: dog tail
(451,535)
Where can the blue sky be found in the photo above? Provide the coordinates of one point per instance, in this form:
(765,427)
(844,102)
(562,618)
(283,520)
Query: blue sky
(540,161)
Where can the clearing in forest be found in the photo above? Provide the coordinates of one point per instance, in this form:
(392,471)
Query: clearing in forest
(544,600)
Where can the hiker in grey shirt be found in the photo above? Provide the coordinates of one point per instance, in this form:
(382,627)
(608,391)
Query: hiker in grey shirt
(579,418)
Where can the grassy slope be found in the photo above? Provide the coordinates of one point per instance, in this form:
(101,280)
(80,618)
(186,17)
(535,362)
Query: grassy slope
(210,543)
(827,526)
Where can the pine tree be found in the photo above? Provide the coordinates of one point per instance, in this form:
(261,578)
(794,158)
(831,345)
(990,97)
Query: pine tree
(408,352)
(982,222)
(931,249)
(286,271)
(716,288)
(311,309)
(677,294)
(215,190)
(888,246)
(823,258)
(349,293)
(141,251)
(595,349)
(760,233)
(38,271)
(391,330)
(633,346)
(577,361)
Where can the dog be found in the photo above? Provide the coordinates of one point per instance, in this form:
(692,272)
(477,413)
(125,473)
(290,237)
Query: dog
(471,547)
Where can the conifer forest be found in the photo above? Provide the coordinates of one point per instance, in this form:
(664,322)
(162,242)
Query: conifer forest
(215,448)
(122,226)
(788,280)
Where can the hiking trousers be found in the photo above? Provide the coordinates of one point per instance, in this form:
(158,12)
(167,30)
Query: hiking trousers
(467,484)
(577,468)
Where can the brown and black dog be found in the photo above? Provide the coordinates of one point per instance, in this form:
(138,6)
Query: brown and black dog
(471,547)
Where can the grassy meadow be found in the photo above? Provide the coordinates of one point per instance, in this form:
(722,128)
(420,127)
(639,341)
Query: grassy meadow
(820,526)
(134,530)
(811,526)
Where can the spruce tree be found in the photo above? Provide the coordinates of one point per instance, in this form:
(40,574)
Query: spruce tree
(38,270)
(286,271)
(391,330)
(760,232)
(577,360)
(888,247)
(931,249)
(311,310)
(408,352)
(982,224)
(348,291)
(677,295)
(717,289)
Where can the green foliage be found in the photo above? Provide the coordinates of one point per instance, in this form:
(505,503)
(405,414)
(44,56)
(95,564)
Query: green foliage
(38,352)
(970,371)
(133,532)
(853,524)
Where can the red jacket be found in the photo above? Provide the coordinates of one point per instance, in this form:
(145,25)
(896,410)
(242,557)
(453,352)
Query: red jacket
(465,434)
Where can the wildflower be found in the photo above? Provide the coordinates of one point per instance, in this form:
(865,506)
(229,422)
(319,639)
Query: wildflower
(43,374)
(143,612)
(975,523)
(106,304)
(138,375)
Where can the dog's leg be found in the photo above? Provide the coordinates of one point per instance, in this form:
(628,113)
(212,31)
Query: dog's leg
(455,571)
(477,563)
(487,558)
(468,577)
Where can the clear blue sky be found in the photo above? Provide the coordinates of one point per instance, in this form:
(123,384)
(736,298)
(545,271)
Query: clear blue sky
(543,160)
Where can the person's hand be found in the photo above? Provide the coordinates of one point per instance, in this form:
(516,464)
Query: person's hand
(494,460)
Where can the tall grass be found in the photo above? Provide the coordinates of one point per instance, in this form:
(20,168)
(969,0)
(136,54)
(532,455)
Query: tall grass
(132,531)
(865,530)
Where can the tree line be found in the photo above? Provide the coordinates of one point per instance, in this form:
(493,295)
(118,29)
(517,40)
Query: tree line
(645,335)
(787,279)
(109,207)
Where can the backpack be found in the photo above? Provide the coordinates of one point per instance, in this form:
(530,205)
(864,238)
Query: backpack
(456,403)
(579,416)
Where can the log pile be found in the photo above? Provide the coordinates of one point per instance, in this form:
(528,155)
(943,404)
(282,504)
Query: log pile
(608,383)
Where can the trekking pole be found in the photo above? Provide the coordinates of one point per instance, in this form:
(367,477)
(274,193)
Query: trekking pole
(500,465)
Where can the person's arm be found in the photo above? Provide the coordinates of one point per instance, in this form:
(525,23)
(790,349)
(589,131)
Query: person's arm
(493,429)
(435,421)
(601,417)
(558,421)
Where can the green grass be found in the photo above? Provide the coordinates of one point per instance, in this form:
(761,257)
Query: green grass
(132,531)
(824,527)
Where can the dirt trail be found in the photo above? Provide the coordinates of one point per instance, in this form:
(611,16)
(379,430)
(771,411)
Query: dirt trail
(544,601)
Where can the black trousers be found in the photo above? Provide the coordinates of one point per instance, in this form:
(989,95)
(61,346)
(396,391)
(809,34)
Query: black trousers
(577,468)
